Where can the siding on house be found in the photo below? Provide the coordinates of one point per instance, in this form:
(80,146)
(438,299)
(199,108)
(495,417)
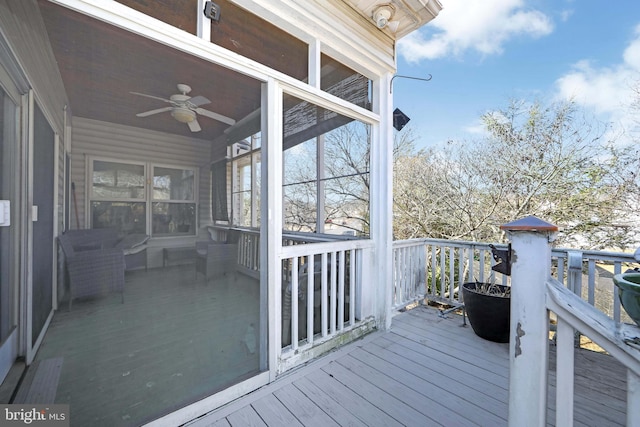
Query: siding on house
(27,34)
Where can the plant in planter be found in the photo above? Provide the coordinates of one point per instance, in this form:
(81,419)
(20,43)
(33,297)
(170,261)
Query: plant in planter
(488,307)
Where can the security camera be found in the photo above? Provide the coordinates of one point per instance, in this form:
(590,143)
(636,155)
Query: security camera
(212,11)
(382,15)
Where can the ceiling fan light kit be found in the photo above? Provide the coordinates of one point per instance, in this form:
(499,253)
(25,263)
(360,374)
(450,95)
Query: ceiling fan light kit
(183,115)
(185,108)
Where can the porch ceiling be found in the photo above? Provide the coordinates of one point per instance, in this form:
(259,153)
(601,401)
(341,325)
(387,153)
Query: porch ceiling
(101,64)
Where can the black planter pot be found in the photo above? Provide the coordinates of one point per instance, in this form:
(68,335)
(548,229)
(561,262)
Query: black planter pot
(488,314)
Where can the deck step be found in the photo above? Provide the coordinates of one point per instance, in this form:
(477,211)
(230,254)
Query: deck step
(40,383)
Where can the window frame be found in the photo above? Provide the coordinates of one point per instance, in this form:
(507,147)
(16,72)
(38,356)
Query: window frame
(148,200)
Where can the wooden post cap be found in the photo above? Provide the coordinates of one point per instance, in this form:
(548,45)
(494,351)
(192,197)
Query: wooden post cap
(529,223)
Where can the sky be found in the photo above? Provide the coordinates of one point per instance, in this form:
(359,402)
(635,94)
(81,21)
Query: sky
(483,53)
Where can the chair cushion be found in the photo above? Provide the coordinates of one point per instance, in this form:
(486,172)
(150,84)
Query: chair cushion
(131,241)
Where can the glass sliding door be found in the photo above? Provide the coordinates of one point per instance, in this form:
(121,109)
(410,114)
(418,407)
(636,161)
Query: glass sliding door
(43,226)
(189,322)
(8,226)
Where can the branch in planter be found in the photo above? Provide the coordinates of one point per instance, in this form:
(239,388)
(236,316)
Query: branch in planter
(493,289)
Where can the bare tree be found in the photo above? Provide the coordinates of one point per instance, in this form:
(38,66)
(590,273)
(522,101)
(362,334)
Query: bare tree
(535,160)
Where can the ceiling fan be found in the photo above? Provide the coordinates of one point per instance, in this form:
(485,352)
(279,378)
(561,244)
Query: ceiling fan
(185,108)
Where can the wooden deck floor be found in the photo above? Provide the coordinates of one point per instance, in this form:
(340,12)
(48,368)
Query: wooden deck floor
(425,371)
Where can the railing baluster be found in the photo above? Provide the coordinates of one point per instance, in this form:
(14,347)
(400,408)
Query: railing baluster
(341,295)
(461,262)
(323,295)
(334,296)
(560,276)
(415,273)
(564,374)
(406,284)
(443,273)
(481,266)
(399,276)
(294,303)
(617,269)
(471,276)
(434,268)
(352,287)
(592,282)
(403,276)
(452,267)
(310,291)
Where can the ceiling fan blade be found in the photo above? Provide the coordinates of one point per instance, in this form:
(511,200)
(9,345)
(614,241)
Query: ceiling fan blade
(156,111)
(150,96)
(194,126)
(199,100)
(215,116)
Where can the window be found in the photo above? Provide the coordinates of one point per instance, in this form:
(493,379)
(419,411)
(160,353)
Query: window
(245,182)
(174,207)
(120,198)
(326,171)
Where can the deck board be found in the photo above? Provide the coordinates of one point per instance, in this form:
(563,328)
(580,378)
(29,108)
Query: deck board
(273,412)
(303,408)
(428,370)
(375,388)
(331,407)
(247,417)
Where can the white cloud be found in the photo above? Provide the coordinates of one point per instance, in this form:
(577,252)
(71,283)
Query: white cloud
(565,15)
(606,90)
(480,26)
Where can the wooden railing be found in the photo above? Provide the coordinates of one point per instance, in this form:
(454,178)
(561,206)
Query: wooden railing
(436,268)
(533,296)
(619,340)
(325,293)
(326,297)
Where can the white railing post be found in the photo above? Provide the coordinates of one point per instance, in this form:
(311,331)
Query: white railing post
(529,334)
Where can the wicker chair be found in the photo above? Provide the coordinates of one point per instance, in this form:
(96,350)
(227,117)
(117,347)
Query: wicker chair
(94,265)
(215,259)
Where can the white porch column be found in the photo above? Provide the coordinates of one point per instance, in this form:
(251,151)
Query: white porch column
(381,200)
(529,335)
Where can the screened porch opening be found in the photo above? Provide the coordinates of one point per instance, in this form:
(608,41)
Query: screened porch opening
(149,123)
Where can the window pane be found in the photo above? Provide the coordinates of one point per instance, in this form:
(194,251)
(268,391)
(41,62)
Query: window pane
(300,206)
(256,191)
(126,217)
(118,180)
(242,181)
(326,170)
(300,163)
(345,83)
(242,209)
(174,218)
(173,184)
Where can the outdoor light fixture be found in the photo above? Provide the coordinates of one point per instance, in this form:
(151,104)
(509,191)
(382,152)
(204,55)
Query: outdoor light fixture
(212,11)
(382,15)
(399,119)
